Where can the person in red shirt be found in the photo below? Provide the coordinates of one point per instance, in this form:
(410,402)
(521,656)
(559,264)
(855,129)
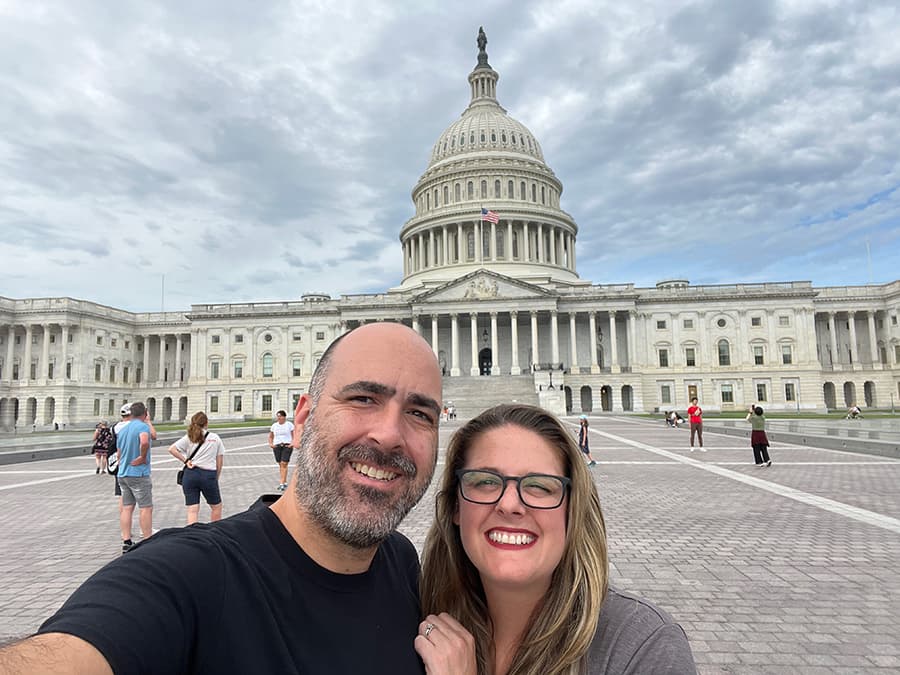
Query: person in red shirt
(695,412)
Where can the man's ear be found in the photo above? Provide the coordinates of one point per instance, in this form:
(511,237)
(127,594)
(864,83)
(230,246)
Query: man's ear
(301,414)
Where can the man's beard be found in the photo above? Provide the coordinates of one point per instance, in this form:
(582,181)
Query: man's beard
(320,492)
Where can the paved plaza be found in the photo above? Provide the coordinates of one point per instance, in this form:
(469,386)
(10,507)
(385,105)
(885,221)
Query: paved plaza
(789,569)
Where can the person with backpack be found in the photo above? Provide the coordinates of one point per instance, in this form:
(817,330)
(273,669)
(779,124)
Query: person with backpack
(103,444)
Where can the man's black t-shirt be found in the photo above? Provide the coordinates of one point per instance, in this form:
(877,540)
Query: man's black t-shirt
(240,596)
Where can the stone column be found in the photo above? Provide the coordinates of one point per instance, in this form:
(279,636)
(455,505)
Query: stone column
(43,370)
(554,337)
(415,324)
(434,334)
(613,345)
(145,371)
(551,244)
(832,331)
(162,360)
(495,348)
(454,345)
(514,351)
(225,365)
(432,249)
(535,356)
(25,370)
(473,325)
(592,326)
(540,243)
(873,339)
(65,355)
(631,339)
(445,259)
(573,345)
(526,248)
(459,243)
(572,250)
(10,353)
(854,347)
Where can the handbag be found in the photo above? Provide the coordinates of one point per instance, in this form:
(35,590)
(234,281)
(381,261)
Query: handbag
(179,477)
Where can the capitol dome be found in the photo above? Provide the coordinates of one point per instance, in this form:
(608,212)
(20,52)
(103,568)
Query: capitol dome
(487,182)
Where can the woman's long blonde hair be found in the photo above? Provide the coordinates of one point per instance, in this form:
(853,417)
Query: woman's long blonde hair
(563,625)
(197,427)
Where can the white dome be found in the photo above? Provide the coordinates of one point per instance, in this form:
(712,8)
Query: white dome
(485,127)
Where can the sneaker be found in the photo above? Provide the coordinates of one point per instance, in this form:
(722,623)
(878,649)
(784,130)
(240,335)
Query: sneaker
(98,470)
(769,463)
(692,448)
(126,545)
(760,465)
(592,463)
(702,449)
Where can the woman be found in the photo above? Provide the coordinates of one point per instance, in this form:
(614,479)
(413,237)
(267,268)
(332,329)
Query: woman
(758,438)
(584,441)
(201,452)
(514,575)
(280,440)
(103,443)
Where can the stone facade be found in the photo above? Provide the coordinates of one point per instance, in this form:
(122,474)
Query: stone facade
(494,299)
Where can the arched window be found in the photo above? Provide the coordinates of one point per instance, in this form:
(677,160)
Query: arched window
(513,136)
(493,136)
(462,140)
(470,245)
(472,138)
(497,189)
(435,197)
(470,190)
(453,142)
(503,136)
(500,246)
(724,353)
(267,365)
(522,194)
(510,191)
(482,137)
(543,195)
(456,192)
(533,192)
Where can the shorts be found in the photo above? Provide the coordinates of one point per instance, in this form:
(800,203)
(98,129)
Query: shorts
(136,489)
(197,481)
(283,452)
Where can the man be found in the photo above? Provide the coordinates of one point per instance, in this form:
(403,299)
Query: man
(317,583)
(695,415)
(133,445)
(280,438)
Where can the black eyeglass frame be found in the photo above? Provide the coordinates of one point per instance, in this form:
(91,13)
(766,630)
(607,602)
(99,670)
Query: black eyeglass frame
(566,483)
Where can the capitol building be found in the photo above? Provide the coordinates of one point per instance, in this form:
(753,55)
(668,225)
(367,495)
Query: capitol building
(490,280)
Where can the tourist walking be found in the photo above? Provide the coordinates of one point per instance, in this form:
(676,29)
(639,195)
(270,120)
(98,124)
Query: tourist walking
(281,436)
(758,438)
(133,445)
(695,416)
(584,441)
(202,452)
(103,444)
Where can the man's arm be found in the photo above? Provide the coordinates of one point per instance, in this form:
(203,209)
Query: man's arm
(152,428)
(57,653)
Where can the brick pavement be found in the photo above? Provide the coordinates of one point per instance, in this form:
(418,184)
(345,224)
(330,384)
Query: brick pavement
(790,569)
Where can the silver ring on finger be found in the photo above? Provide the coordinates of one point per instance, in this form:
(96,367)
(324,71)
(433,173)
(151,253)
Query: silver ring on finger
(428,628)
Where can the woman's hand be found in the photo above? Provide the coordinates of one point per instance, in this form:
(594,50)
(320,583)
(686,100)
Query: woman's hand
(445,646)
(189,464)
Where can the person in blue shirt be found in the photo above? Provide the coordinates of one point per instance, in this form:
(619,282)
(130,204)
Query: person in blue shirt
(133,445)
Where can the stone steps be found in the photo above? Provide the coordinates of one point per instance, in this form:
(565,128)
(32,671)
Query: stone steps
(471,395)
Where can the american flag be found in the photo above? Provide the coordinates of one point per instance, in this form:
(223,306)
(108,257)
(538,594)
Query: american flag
(489,216)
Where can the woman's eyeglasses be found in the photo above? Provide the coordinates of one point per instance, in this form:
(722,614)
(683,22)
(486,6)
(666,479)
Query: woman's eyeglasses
(536,490)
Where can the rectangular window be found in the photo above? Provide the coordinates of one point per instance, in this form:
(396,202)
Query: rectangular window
(787,356)
(238,339)
(724,353)
(214,370)
(897,353)
(127,344)
(784,321)
(50,371)
(761,393)
(125,374)
(68,371)
(727,394)
(268,365)
(238,369)
(213,404)
(665,394)
(71,337)
(894,320)
(52,340)
(789,393)
(99,340)
(238,404)
(97,372)
(320,335)
(757,355)
(96,407)
(15,371)
(660,325)
(297,367)
(267,403)
(216,339)
(33,371)
(112,373)
(297,336)
(19,338)
(140,345)
(111,407)
(688,323)
(756,321)
(138,374)
(113,342)
(663,358)
(690,358)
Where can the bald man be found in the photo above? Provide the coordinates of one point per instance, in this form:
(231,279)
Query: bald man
(320,582)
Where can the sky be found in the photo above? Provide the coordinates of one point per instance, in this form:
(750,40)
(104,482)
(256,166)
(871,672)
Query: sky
(159,154)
